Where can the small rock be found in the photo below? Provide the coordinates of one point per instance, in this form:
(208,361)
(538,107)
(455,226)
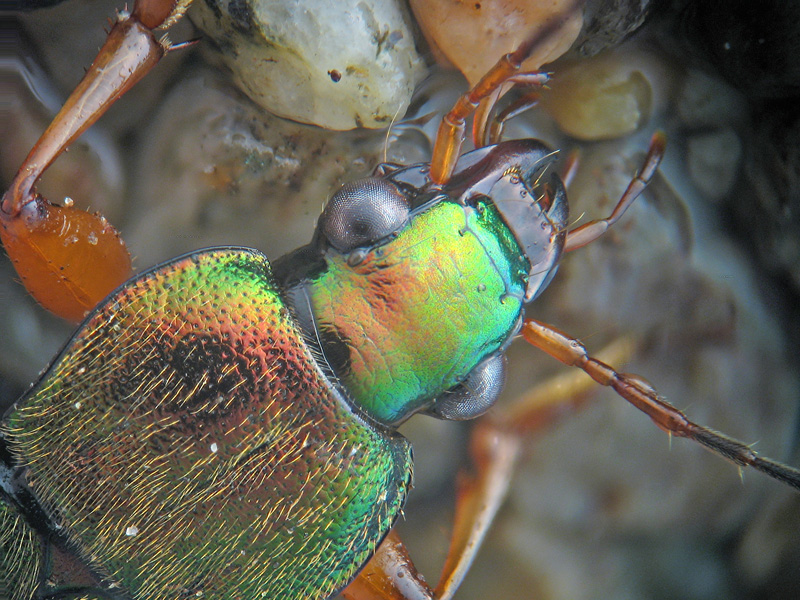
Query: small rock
(338,65)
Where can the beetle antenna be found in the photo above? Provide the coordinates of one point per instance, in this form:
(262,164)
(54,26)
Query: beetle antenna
(643,396)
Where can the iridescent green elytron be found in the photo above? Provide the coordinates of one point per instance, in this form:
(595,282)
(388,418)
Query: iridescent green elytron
(219,429)
(201,449)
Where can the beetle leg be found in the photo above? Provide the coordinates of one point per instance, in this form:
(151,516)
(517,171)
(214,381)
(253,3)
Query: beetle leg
(639,393)
(479,496)
(69,259)
(495,446)
(589,232)
(570,168)
(389,575)
(450,136)
(485,126)
(488,129)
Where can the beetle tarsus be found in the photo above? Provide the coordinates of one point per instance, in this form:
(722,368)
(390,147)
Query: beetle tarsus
(589,232)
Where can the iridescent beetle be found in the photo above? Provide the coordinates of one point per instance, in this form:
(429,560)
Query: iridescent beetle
(220,428)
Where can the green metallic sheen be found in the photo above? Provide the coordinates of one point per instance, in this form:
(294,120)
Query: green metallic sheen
(421,310)
(187,444)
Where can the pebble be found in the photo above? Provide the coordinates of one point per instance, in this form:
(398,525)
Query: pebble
(338,65)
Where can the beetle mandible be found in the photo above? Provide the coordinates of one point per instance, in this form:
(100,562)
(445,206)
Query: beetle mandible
(218,403)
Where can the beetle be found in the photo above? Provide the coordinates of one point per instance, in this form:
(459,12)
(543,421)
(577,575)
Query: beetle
(202,378)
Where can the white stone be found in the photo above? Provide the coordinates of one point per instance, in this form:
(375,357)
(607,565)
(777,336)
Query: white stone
(338,65)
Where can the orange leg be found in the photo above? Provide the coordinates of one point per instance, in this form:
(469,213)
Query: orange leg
(488,129)
(495,447)
(589,232)
(450,136)
(389,575)
(69,259)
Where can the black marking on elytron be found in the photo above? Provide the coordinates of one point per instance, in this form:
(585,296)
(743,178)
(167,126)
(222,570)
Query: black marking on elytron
(209,358)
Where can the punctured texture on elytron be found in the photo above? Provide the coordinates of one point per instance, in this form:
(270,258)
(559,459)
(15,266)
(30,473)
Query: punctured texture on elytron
(189,445)
(421,310)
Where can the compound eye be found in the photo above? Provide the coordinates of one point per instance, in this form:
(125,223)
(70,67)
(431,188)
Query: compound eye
(476,395)
(363,212)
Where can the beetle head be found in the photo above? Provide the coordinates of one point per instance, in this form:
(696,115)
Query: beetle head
(519,178)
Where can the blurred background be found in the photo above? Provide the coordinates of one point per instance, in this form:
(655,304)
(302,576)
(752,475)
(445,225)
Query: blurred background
(704,270)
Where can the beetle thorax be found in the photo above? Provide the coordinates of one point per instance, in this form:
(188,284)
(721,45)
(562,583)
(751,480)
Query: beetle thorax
(416,313)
